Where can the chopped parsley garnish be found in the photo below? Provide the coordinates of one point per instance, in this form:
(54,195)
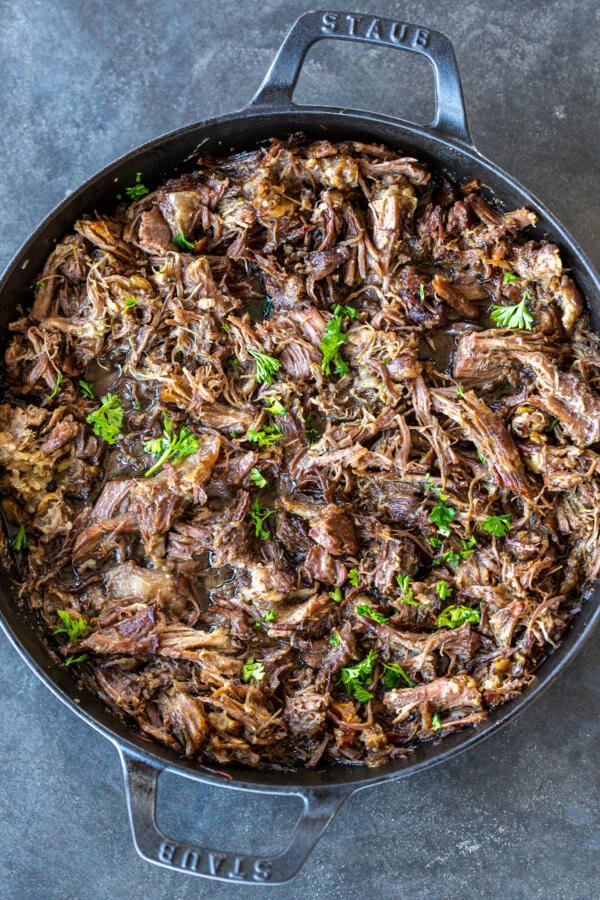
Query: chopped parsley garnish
(453,616)
(73,628)
(73,660)
(459,393)
(269,616)
(393,674)
(508,277)
(108,418)
(266,366)
(171,445)
(363,609)
(258,478)
(334,640)
(353,577)
(266,437)
(406,591)
(312,435)
(435,541)
(129,302)
(336,595)
(274,406)
(253,670)
(354,678)
(19,541)
(481,457)
(333,339)
(443,589)
(182,243)
(86,388)
(515,316)
(468,547)
(553,423)
(436,722)
(441,516)
(422,291)
(453,558)
(259,515)
(57,385)
(499,526)
(138,189)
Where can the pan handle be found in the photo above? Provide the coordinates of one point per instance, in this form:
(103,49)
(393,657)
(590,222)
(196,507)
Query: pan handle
(278,85)
(141,780)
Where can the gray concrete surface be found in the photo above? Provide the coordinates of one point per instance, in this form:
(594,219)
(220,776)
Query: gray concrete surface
(82,82)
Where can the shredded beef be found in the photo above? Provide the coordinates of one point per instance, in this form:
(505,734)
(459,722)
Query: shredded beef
(349,493)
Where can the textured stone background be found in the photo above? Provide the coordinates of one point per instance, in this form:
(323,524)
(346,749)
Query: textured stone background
(82,82)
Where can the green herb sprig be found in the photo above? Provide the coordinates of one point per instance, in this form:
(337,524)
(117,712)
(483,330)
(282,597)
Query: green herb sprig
(259,514)
(363,609)
(499,526)
(514,316)
(355,678)
(453,616)
(73,628)
(171,446)
(107,420)
(253,670)
(266,366)
(334,338)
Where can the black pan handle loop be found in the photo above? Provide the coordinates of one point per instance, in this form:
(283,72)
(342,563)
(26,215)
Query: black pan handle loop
(278,85)
(141,780)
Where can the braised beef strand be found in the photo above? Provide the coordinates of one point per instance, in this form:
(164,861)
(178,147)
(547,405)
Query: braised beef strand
(300,455)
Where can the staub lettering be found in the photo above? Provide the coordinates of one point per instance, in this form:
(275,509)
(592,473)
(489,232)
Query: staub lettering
(193,859)
(385,31)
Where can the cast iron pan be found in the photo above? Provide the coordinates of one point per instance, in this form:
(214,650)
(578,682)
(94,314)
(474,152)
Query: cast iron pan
(447,144)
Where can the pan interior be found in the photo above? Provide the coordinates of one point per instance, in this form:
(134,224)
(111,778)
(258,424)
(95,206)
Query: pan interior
(167,157)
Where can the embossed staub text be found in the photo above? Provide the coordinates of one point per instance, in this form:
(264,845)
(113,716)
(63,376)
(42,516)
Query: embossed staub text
(386,31)
(217,865)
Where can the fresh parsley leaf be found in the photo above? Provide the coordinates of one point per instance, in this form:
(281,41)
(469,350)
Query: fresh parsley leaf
(266,366)
(312,435)
(86,388)
(73,628)
(393,675)
(253,670)
(422,291)
(171,445)
(73,660)
(182,243)
(441,516)
(436,722)
(333,339)
(443,589)
(258,478)
(274,406)
(269,616)
(515,316)
(336,595)
(453,616)
(363,609)
(453,559)
(138,189)
(259,515)
(459,393)
(353,577)
(334,640)
(481,457)
(403,582)
(57,385)
(266,437)
(435,542)
(354,678)
(468,547)
(429,482)
(108,418)
(508,277)
(129,302)
(553,423)
(19,541)
(499,526)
